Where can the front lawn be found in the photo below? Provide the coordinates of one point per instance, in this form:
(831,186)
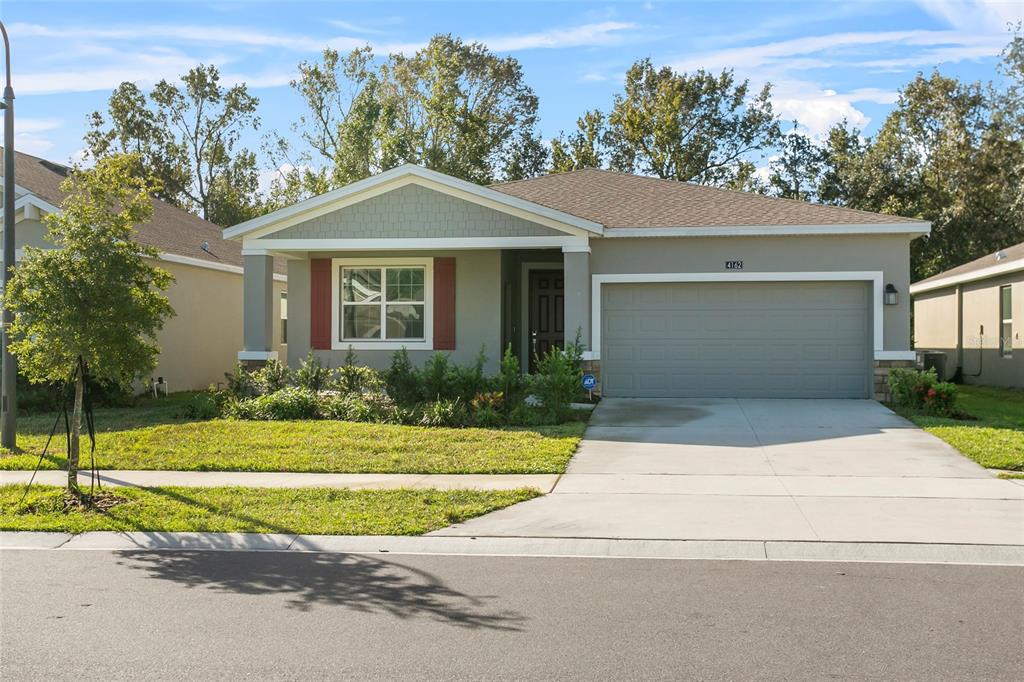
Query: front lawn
(995,439)
(257,510)
(151,436)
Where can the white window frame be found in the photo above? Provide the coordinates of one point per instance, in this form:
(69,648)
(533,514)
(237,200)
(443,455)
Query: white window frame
(427,343)
(1003,320)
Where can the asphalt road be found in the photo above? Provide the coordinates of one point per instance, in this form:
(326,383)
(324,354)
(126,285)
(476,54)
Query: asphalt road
(210,615)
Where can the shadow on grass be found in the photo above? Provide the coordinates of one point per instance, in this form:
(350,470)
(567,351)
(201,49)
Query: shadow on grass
(357,582)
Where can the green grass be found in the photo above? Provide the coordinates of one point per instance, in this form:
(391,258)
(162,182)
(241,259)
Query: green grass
(150,436)
(257,510)
(996,438)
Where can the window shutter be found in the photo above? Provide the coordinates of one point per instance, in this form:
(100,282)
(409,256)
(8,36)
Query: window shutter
(444,304)
(320,303)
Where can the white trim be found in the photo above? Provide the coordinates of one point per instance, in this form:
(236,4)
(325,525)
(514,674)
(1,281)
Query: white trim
(577,248)
(257,355)
(40,205)
(222,267)
(873,276)
(769,230)
(524,307)
(984,273)
(428,304)
(399,177)
(418,244)
(895,355)
(256,252)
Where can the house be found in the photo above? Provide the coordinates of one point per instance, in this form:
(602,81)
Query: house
(968,313)
(674,289)
(200,343)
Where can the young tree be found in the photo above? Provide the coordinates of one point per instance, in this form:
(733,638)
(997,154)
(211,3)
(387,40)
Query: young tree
(584,148)
(93,301)
(452,106)
(187,138)
(697,128)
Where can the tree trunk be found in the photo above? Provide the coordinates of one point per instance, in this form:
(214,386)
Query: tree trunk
(76,433)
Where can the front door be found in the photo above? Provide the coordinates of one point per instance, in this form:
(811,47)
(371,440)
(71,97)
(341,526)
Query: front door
(547,312)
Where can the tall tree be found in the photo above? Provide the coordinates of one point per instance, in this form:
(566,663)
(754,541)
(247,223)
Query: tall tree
(452,106)
(584,147)
(694,127)
(795,172)
(94,302)
(187,137)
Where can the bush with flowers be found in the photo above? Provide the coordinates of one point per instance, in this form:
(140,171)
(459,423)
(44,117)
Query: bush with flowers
(922,392)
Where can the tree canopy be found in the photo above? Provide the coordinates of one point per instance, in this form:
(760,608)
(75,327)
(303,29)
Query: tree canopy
(186,137)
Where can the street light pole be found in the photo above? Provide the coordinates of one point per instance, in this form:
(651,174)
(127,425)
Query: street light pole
(9,368)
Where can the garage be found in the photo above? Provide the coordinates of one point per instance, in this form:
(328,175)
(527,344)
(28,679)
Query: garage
(736,339)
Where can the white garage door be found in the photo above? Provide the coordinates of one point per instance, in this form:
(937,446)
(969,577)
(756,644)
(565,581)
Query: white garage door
(750,339)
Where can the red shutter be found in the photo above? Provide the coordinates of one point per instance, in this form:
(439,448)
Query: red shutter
(444,304)
(320,303)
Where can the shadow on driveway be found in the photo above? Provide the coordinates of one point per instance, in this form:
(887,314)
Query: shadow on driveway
(357,582)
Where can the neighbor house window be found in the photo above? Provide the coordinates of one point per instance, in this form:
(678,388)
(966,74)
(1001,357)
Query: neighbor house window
(284,318)
(386,303)
(1006,321)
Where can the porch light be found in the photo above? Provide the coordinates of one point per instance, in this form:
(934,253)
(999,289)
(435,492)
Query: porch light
(891,295)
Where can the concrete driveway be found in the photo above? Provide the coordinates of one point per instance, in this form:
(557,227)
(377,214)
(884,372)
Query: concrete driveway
(803,470)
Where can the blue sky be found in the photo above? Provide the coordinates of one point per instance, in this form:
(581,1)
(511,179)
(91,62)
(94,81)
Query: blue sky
(828,60)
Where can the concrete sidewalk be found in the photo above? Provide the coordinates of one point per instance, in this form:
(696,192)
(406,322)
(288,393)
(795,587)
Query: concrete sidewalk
(523,547)
(210,479)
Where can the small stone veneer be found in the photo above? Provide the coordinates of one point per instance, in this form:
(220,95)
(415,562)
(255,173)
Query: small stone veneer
(880,381)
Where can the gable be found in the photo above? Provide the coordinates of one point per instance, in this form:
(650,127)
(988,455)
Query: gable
(413,211)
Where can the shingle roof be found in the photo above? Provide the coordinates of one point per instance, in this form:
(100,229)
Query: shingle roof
(172,230)
(1010,254)
(617,199)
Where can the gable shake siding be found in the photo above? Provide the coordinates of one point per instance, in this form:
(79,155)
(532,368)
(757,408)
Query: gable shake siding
(414,212)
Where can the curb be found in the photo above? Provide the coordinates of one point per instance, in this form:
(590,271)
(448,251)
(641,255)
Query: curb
(594,548)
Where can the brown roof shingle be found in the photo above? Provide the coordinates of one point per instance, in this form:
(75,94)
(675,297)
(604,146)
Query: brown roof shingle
(172,230)
(1010,254)
(617,199)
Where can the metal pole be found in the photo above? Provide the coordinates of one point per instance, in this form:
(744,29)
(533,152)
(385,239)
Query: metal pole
(9,401)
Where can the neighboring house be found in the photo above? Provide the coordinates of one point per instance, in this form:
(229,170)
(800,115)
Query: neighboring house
(200,343)
(974,314)
(675,289)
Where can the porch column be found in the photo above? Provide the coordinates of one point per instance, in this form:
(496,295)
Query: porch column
(576,261)
(258,309)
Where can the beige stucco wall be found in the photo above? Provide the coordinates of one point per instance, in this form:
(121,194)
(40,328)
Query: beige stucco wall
(935,328)
(889,254)
(201,342)
(477,309)
(29,233)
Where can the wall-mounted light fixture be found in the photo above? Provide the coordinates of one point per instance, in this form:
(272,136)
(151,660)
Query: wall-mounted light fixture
(891,297)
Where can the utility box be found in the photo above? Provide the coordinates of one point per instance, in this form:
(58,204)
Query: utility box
(934,359)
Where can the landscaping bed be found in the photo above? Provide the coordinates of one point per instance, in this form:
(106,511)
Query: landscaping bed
(986,425)
(255,510)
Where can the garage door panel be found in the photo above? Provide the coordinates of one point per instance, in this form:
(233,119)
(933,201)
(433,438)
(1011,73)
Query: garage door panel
(778,339)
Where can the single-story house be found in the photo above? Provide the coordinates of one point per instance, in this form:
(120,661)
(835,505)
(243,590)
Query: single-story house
(200,343)
(674,289)
(968,313)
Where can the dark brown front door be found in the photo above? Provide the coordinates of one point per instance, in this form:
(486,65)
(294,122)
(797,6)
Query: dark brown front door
(547,312)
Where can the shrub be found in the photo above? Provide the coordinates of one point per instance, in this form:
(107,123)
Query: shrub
(403,384)
(363,407)
(287,403)
(487,408)
(353,378)
(241,383)
(557,381)
(443,412)
(205,405)
(531,415)
(271,377)
(922,391)
(511,380)
(311,374)
(437,380)
(468,381)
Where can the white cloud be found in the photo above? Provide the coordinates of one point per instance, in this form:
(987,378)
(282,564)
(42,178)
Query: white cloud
(29,134)
(816,110)
(586,35)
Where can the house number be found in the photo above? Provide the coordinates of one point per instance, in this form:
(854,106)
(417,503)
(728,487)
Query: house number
(733,265)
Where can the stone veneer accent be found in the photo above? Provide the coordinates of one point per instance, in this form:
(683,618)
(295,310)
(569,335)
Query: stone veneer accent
(880,384)
(414,212)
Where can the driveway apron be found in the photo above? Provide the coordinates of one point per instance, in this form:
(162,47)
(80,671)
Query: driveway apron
(739,469)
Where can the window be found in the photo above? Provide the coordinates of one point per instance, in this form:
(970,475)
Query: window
(284,318)
(383,303)
(1005,321)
